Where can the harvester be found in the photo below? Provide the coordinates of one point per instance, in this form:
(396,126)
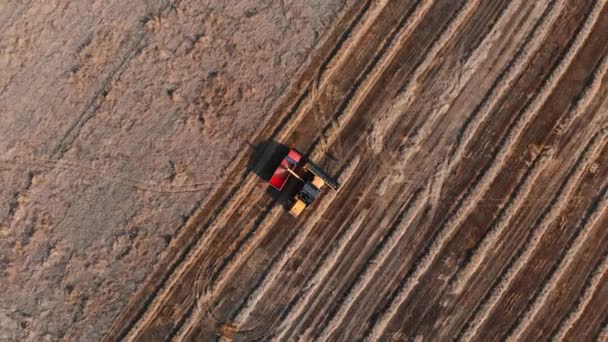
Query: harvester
(311,180)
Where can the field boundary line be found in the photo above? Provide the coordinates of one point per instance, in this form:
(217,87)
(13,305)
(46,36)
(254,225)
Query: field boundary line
(287,105)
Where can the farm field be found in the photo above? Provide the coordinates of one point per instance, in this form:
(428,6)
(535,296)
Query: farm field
(470,139)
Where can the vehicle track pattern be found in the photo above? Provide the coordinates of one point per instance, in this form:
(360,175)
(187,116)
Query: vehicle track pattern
(473,149)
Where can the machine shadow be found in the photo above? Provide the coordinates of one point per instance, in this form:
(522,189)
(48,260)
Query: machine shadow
(264,160)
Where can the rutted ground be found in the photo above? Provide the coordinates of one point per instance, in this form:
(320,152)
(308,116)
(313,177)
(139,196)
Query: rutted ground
(472,147)
(116,120)
(471,141)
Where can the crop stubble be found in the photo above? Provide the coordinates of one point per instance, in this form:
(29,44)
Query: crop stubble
(472,149)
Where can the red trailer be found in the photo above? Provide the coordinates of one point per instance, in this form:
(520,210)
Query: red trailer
(282,173)
(311,177)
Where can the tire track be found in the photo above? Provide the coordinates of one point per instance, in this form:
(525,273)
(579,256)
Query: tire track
(482,50)
(262,223)
(382,125)
(324,272)
(591,152)
(228,210)
(508,76)
(245,252)
(375,69)
(117,179)
(382,254)
(582,235)
(597,279)
(331,48)
(490,240)
(515,132)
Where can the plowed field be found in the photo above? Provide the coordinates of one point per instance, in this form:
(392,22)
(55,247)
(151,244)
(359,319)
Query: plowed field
(471,139)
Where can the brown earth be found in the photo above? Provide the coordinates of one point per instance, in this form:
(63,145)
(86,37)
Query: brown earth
(470,138)
(117,118)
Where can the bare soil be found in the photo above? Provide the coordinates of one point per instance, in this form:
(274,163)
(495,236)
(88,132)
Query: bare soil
(470,138)
(117,119)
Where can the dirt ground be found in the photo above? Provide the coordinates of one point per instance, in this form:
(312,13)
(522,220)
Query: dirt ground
(117,118)
(470,138)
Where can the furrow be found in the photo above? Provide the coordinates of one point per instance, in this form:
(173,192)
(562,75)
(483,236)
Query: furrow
(321,83)
(119,329)
(246,250)
(379,69)
(190,260)
(386,121)
(480,188)
(424,132)
(490,240)
(586,98)
(504,221)
(319,278)
(565,264)
(507,78)
(597,279)
(297,311)
(190,319)
(358,33)
(301,237)
(371,271)
(562,198)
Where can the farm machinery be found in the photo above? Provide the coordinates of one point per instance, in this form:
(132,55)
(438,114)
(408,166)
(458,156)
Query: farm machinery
(311,180)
